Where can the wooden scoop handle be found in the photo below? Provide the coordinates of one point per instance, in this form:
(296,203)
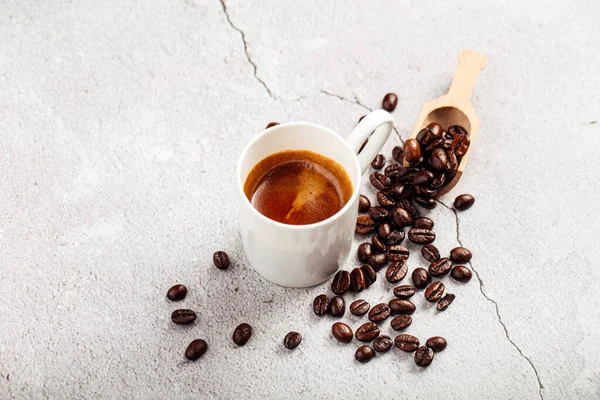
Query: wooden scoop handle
(470,63)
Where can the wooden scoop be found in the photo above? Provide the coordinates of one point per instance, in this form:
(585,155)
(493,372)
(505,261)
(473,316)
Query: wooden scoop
(454,108)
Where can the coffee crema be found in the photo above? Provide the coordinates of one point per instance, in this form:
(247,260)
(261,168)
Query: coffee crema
(298,187)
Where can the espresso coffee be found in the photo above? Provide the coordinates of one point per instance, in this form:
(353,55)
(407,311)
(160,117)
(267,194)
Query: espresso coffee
(298,187)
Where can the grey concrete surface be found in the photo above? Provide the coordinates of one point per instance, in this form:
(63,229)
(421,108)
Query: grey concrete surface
(120,125)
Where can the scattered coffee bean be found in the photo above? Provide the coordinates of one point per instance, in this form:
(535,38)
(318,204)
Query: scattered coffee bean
(377,261)
(464,202)
(380,181)
(378,246)
(436,343)
(397,253)
(420,277)
(271,124)
(423,356)
(425,201)
(364,252)
(395,171)
(342,332)
(395,237)
(183,316)
(363,203)
(357,279)
(404,291)
(177,292)
(378,162)
(364,224)
(399,191)
(434,291)
(242,334)
(421,236)
(461,273)
(401,217)
(321,304)
(367,332)
(364,354)
(196,349)
(369,274)
(389,102)
(382,344)
(430,252)
(337,306)
(221,260)
(402,306)
(438,160)
(384,230)
(292,340)
(359,307)
(438,181)
(445,301)
(379,312)
(341,282)
(408,206)
(412,152)
(396,271)
(398,154)
(402,321)
(423,178)
(385,199)
(440,267)
(406,342)
(460,255)
(460,144)
(423,223)
(427,192)
(379,214)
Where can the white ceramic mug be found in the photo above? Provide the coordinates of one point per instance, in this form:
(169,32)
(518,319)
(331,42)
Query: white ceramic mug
(306,255)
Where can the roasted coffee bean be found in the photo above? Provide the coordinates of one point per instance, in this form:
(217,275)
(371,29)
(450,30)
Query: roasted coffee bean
(397,253)
(408,206)
(177,292)
(364,224)
(384,230)
(362,146)
(321,304)
(183,316)
(401,218)
(425,201)
(440,267)
(401,306)
(396,271)
(377,261)
(378,162)
(402,321)
(395,237)
(464,202)
(434,291)
(242,334)
(420,277)
(380,181)
(337,306)
(438,160)
(379,312)
(408,178)
(389,102)
(357,279)
(457,129)
(395,171)
(369,274)
(448,146)
(359,307)
(271,124)
(400,191)
(404,291)
(364,354)
(364,252)
(452,161)
(379,214)
(423,178)
(342,332)
(438,181)
(423,356)
(221,260)
(427,191)
(430,252)
(460,144)
(406,342)
(451,174)
(412,152)
(461,273)
(436,129)
(423,223)
(425,136)
(382,344)
(436,343)
(460,255)
(367,332)
(341,282)
(385,199)
(363,204)
(292,340)
(421,236)
(445,301)
(196,349)
(398,154)
(360,119)
(437,143)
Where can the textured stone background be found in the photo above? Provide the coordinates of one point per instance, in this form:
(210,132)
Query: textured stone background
(120,124)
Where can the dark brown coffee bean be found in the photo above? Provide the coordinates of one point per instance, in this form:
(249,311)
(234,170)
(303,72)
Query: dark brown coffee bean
(363,204)
(423,223)
(367,332)
(434,291)
(221,260)
(423,178)
(357,279)
(242,334)
(362,146)
(398,154)
(408,206)
(364,252)
(360,119)
(341,282)
(440,267)
(445,301)
(397,253)
(461,273)
(364,354)
(364,224)
(437,143)
(460,144)
(380,181)
(457,129)
(379,312)
(436,343)
(378,162)
(406,342)
(395,171)
(342,332)
(377,261)
(423,356)
(177,292)
(321,304)
(427,191)
(385,199)
(460,255)
(425,136)
(464,202)
(183,316)
(395,237)
(369,274)
(430,252)
(402,321)
(412,152)
(404,291)
(384,230)
(271,124)
(359,307)
(438,160)
(420,277)
(382,344)
(425,201)
(401,218)
(408,178)
(452,162)
(401,306)
(196,349)
(292,340)
(389,102)
(396,271)
(400,191)
(436,129)
(421,236)
(438,181)
(379,214)
(337,306)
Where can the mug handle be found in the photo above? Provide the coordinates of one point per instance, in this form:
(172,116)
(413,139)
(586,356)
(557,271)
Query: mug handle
(379,121)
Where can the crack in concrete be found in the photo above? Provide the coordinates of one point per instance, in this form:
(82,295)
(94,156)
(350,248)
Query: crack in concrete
(243,35)
(495,303)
